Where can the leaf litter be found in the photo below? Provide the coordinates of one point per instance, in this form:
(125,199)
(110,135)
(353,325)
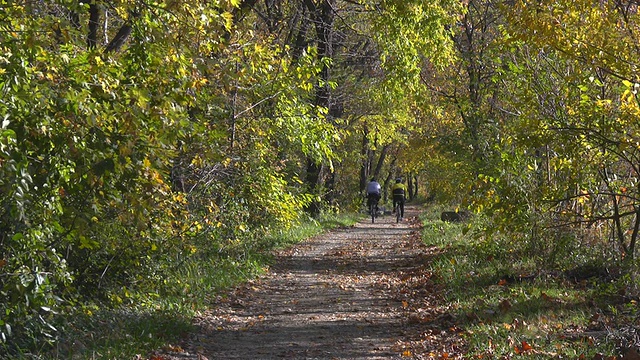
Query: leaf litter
(364,292)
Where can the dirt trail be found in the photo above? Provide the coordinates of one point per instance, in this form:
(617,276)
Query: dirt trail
(363,292)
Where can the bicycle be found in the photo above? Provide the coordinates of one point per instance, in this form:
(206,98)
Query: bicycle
(373,209)
(399,211)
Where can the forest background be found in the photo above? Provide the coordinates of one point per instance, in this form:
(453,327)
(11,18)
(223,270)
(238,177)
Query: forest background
(141,137)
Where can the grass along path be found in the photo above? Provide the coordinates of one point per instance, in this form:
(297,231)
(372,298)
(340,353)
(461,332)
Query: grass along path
(363,292)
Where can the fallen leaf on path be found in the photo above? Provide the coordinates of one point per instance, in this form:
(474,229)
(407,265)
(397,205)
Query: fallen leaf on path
(525,347)
(173,348)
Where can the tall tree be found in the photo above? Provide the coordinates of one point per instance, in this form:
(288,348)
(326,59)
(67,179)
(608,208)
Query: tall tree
(591,112)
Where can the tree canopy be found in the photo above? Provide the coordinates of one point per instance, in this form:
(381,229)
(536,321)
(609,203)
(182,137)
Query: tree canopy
(137,134)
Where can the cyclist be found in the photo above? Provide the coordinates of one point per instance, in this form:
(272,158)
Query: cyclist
(373,194)
(398,190)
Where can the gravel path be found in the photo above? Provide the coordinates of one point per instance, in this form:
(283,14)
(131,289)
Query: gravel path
(362,292)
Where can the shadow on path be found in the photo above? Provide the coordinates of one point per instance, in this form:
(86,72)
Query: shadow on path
(340,295)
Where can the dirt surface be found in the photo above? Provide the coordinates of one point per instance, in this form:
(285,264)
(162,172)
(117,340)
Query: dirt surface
(363,292)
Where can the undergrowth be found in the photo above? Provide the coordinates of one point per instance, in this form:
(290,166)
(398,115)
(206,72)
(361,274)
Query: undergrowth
(157,319)
(569,301)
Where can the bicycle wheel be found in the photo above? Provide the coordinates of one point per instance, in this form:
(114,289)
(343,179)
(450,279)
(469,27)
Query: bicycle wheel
(398,212)
(372,211)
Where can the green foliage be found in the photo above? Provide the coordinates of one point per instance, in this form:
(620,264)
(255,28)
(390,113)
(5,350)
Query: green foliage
(410,30)
(160,319)
(505,295)
(116,163)
(566,148)
(179,132)
(118,333)
(123,163)
(540,110)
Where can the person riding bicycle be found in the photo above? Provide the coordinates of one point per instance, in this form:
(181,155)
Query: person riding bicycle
(398,191)
(373,193)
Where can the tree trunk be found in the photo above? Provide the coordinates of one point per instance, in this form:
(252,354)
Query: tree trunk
(634,235)
(313,180)
(120,38)
(365,166)
(330,193)
(323,18)
(94,23)
(383,155)
(385,186)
